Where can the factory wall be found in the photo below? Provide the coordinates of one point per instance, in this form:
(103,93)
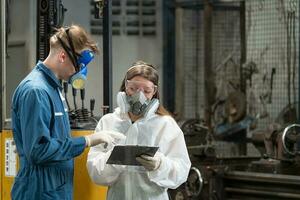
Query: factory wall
(126,49)
(20,54)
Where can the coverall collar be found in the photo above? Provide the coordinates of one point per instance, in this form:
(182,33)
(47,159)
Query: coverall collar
(53,80)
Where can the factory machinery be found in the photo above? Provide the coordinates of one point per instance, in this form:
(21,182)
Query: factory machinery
(219,173)
(234,154)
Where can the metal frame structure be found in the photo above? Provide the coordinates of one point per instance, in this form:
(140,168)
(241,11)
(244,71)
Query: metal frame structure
(107,56)
(299,70)
(3,60)
(169,54)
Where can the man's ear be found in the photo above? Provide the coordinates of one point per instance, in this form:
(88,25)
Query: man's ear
(62,56)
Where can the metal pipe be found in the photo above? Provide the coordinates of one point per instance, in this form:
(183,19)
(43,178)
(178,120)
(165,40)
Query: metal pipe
(199,5)
(107,56)
(169,54)
(209,81)
(298,67)
(263,177)
(265,193)
(197,61)
(2,61)
(243,43)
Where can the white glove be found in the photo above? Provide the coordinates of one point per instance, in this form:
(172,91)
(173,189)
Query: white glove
(150,163)
(107,137)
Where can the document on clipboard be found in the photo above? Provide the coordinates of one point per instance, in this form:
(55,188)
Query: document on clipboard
(126,154)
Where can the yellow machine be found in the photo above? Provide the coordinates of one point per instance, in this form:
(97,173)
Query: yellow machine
(83,187)
(8,164)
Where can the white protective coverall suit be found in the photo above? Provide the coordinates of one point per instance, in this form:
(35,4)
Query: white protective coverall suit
(135,182)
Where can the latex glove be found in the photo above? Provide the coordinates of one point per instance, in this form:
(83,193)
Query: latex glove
(106,137)
(150,163)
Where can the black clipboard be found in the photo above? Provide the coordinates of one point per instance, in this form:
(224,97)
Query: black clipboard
(126,154)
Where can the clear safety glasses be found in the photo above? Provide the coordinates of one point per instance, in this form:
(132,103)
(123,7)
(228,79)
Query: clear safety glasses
(134,86)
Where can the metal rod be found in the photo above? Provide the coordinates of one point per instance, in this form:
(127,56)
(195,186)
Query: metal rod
(199,5)
(209,81)
(263,177)
(197,61)
(169,54)
(258,192)
(243,44)
(107,56)
(298,66)
(2,61)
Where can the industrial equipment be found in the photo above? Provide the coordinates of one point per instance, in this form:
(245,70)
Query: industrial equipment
(233,154)
(274,174)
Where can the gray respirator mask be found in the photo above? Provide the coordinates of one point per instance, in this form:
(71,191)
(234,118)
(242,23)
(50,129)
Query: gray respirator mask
(138,103)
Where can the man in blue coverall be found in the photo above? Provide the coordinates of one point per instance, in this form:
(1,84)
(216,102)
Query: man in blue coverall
(40,120)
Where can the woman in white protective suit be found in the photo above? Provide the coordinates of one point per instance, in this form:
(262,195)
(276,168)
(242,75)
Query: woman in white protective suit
(144,121)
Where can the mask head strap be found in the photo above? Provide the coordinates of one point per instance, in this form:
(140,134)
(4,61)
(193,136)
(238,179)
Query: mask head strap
(70,50)
(139,65)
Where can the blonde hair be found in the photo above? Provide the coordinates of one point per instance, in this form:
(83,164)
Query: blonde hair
(149,72)
(79,37)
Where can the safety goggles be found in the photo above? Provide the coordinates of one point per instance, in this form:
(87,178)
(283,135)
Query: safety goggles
(135,86)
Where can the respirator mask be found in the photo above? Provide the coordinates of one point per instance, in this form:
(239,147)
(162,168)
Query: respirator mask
(138,102)
(80,62)
(78,79)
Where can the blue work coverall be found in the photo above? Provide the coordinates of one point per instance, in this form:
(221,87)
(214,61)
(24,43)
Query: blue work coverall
(42,135)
